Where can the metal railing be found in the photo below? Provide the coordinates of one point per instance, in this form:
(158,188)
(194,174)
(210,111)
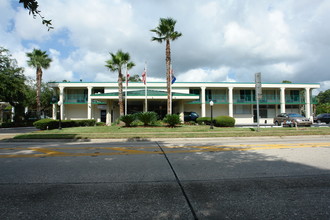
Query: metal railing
(75,98)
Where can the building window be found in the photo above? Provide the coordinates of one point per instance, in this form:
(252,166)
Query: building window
(242,109)
(195,91)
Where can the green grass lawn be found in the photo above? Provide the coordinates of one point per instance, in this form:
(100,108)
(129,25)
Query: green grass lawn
(185,131)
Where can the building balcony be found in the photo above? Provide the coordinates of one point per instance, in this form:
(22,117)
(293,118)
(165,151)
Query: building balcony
(75,99)
(218,99)
(294,99)
(249,99)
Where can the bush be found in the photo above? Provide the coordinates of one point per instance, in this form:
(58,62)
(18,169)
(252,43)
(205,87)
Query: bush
(224,121)
(45,124)
(100,124)
(147,118)
(16,124)
(172,120)
(204,120)
(128,119)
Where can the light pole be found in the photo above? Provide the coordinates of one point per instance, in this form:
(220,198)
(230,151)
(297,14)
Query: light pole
(211,104)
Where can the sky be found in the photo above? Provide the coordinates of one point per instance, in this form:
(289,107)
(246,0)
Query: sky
(222,40)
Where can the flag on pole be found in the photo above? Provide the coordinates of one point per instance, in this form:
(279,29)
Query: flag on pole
(173,78)
(127,77)
(144,76)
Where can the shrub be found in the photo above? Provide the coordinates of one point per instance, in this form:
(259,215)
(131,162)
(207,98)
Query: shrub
(45,124)
(147,118)
(203,120)
(16,124)
(224,121)
(172,120)
(128,119)
(100,124)
(84,123)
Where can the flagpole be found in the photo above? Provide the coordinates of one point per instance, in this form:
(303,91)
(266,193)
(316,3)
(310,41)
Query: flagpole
(145,89)
(171,88)
(126,92)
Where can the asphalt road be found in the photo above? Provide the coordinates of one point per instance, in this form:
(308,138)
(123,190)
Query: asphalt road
(223,178)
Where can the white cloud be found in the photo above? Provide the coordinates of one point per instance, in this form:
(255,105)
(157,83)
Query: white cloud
(204,75)
(222,40)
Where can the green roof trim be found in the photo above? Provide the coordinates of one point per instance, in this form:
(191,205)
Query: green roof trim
(142,93)
(202,82)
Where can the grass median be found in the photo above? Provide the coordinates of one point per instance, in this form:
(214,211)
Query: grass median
(185,131)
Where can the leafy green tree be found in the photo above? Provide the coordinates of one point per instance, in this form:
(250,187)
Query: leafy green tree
(134,78)
(117,62)
(32,6)
(324,97)
(39,60)
(12,83)
(286,81)
(165,33)
(45,97)
(322,108)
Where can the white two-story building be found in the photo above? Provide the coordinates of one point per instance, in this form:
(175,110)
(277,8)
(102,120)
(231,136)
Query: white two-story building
(99,100)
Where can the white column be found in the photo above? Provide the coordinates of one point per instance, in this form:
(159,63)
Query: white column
(12,113)
(54,111)
(282,100)
(181,110)
(230,101)
(203,111)
(307,103)
(62,101)
(89,105)
(109,107)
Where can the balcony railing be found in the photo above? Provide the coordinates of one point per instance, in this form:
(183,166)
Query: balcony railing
(218,99)
(294,99)
(249,99)
(75,98)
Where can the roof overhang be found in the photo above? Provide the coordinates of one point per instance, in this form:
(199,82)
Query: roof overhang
(142,94)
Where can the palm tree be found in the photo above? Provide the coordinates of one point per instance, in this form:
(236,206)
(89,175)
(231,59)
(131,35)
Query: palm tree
(39,60)
(117,62)
(165,32)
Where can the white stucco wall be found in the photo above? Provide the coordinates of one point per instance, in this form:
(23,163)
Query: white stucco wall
(193,108)
(75,111)
(218,110)
(243,119)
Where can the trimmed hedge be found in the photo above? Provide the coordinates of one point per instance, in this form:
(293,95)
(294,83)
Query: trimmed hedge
(16,124)
(204,120)
(224,121)
(45,124)
(172,120)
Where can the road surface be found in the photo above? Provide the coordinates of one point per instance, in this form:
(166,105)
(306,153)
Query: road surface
(222,178)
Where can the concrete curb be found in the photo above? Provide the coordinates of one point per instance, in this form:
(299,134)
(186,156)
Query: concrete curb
(260,138)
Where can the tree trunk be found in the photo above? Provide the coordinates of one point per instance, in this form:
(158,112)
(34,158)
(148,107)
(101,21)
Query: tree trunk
(168,76)
(120,92)
(39,77)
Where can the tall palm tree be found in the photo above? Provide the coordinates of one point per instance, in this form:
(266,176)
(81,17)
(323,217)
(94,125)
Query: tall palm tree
(117,62)
(39,60)
(165,32)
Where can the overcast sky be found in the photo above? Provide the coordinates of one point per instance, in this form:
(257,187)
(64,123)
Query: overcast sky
(222,40)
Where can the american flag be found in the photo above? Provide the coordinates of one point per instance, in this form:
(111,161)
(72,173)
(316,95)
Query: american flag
(127,78)
(173,78)
(144,76)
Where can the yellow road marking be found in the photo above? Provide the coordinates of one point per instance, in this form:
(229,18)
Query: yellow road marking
(58,151)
